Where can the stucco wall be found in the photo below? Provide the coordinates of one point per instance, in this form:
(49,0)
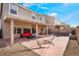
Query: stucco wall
(27,15)
(5,10)
(5,25)
(6,30)
(77,33)
(23,14)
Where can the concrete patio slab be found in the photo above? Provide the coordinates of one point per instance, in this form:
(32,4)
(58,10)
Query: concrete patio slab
(54,50)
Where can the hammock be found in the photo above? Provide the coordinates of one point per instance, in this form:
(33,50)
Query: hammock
(40,43)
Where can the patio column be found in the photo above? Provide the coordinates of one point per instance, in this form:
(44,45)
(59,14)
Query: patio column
(36,30)
(22,30)
(52,29)
(31,29)
(12,31)
(47,29)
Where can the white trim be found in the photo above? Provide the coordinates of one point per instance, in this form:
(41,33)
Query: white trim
(11,13)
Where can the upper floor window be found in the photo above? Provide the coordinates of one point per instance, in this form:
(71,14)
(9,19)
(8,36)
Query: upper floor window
(13,9)
(33,16)
(42,18)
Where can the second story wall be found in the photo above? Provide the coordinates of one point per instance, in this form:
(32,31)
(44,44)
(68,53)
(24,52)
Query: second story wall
(24,14)
(17,11)
(5,10)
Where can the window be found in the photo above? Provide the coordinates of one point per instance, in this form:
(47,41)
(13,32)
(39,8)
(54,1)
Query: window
(33,30)
(13,9)
(0,33)
(33,16)
(42,18)
(14,30)
(18,30)
(26,30)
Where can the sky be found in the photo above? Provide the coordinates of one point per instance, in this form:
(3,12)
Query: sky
(65,12)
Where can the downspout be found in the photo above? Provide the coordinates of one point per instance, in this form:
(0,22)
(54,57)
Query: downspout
(1,18)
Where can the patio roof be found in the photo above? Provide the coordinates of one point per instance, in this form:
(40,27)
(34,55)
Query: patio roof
(18,19)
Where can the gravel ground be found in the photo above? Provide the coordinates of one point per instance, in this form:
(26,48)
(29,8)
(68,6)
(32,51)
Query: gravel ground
(17,50)
(72,48)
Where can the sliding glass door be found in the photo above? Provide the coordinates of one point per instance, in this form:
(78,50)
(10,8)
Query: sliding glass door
(26,30)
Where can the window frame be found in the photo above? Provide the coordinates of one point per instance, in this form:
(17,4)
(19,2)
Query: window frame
(42,18)
(17,30)
(33,15)
(26,30)
(10,11)
(33,30)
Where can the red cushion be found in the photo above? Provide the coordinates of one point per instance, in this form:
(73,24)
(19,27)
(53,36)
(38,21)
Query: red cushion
(27,34)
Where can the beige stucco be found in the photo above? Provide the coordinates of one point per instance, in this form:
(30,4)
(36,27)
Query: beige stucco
(23,14)
(6,29)
(5,11)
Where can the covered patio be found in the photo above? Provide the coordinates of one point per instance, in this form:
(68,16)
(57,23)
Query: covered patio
(36,28)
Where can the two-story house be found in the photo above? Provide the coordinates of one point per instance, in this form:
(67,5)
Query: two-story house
(16,19)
